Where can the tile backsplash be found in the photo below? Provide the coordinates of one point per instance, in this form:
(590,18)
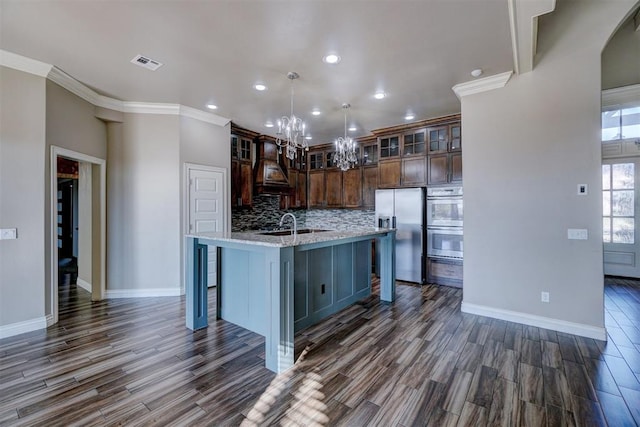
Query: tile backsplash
(265,214)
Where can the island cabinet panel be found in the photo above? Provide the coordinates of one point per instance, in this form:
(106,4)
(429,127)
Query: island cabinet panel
(329,279)
(316,189)
(243,303)
(389,173)
(321,279)
(369,186)
(352,181)
(333,185)
(414,171)
(342,271)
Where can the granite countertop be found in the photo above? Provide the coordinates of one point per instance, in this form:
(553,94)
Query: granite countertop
(263,238)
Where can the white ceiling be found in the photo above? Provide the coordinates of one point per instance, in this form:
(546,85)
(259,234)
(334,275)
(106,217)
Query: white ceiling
(215,51)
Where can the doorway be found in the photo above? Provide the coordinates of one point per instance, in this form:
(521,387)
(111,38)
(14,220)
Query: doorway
(77,225)
(206,207)
(68,219)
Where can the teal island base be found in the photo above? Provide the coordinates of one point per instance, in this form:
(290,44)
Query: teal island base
(278,285)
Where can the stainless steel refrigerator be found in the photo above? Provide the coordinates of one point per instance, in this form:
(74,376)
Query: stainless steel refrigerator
(403,209)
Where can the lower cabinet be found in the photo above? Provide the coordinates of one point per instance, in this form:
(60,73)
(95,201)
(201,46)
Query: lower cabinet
(329,279)
(444,271)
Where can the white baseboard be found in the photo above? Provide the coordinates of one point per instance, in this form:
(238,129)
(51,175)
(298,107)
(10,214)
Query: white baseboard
(538,321)
(83,284)
(49,320)
(142,293)
(23,327)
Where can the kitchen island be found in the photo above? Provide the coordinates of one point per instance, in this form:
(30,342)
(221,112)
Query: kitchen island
(275,285)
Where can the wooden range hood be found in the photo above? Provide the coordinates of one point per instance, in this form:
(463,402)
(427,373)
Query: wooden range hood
(269,176)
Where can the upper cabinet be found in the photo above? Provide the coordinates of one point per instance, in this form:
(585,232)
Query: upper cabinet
(445,155)
(444,139)
(242,159)
(413,143)
(389,147)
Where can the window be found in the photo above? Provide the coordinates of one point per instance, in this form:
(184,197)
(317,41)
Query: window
(618,203)
(621,124)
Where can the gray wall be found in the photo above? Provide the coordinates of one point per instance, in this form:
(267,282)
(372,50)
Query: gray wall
(621,58)
(143,203)
(527,147)
(22,196)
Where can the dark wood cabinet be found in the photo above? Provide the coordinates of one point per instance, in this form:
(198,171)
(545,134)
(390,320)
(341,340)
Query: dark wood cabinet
(445,168)
(369,186)
(414,172)
(301,190)
(333,188)
(352,184)
(444,271)
(389,147)
(389,173)
(438,139)
(455,137)
(242,153)
(438,169)
(316,189)
(413,143)
(455,167)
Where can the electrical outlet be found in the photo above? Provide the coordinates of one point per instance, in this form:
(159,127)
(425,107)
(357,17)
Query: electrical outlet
(577,234)
(8,233)
(544,296)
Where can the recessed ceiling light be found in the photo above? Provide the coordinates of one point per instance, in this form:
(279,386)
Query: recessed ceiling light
(332,58)
(212,106)
(352,128)
(409,116)
(308,137)
(268,124)
(260,87)
(316,112)
(380,95)
(477,72)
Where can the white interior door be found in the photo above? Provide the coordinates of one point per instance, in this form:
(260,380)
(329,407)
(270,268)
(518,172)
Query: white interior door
(620,216)
(206,208)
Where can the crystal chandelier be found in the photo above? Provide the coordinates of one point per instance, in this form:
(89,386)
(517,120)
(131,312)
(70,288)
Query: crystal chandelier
(290,133)
(345,156)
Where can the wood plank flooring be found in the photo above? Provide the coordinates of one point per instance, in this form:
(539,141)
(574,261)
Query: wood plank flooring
(418,361)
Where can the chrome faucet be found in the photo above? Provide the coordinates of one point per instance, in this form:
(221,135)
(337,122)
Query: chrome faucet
(295,222)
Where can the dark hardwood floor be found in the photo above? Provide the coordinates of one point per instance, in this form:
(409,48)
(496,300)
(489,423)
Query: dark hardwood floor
(419,361)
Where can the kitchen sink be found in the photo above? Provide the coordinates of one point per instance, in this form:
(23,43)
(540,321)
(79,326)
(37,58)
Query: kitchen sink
(289,232)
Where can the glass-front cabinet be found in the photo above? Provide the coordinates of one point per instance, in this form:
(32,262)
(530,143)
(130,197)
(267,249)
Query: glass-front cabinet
(389,146)
(414,143)
(369,154)
(438,139)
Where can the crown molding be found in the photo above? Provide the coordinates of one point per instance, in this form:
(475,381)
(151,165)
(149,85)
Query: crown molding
(203,116)
(482,85)
(63,79)
(24,64)
(56,75)
(621,95)
(150,108)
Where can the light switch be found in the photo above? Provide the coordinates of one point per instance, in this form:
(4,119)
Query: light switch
(8,233)
(583,189)
(577,234)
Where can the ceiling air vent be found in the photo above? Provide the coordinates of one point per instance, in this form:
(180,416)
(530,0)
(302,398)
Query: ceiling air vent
(146,62)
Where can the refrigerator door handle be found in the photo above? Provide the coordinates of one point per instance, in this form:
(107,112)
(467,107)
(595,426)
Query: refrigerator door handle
(393,221)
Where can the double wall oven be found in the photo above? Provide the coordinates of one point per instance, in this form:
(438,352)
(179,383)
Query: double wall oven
(444,222)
